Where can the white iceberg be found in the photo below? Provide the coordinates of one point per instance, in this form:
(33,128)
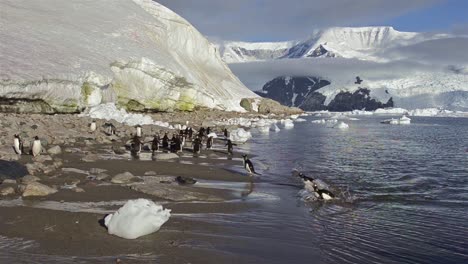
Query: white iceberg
(275,128)
(137,218)
(404,120)
(300,120)
(288,123)
(320,121)
(240,135)
(341,125)
(264,129)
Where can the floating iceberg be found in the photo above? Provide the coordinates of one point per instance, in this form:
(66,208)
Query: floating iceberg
(288,123)
(404,120)
(275,128)
(341,125)
(240,135)
(320,121)
(137,218)
(300,120)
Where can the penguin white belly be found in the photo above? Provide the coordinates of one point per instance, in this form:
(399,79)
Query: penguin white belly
(16,145)
(36,148)
(138,131)
(92,127)
(326,196)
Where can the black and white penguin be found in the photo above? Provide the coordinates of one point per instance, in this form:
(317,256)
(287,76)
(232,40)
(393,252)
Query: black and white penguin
(226,134)
(197,145)
(110,129)
(136,147)
(165,141)
(36,147)
(323,194)
(182,143)
(18,145)
(155,143)
(230,148)
(248,165)
(209,143)
(185,180)
(138,131)
(92,126)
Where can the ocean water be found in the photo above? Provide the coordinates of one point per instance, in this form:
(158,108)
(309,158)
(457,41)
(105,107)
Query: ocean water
(403,198)
(403,195)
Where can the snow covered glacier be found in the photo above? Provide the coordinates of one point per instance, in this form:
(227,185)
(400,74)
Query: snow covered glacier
(62,56)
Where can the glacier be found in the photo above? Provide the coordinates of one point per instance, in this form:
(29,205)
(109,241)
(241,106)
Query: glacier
(64,56)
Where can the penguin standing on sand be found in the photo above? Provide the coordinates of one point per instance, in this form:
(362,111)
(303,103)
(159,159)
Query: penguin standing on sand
(138,131)
(165,141)
(323,194)
(18,145)
(197,145)
(155,143)
(92,126)
(209,142)
(136,146)
(230,148)
(36,147)
(248,165)
(226,134)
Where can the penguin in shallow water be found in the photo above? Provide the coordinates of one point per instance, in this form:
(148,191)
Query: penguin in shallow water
(209,143)
(197,145)
(323,194)
(165,141)
(136,147)
(230,148)
(18,145)
(92,126)
(248,165)
(36,147)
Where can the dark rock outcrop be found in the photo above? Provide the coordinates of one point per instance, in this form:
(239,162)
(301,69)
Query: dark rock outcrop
(360,99)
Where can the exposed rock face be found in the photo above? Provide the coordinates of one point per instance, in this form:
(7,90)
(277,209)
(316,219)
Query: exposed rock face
(360,99)
(302,92)
(292,91)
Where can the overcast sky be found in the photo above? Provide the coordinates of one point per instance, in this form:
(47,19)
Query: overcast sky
(273,20)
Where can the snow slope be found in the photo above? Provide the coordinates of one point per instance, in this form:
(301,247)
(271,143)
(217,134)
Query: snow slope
(72,54)
(234,52)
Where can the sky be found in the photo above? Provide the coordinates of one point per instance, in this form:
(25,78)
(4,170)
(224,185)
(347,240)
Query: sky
(277,20)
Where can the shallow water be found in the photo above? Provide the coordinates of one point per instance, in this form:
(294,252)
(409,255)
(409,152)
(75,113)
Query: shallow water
(403,198)
(404,195)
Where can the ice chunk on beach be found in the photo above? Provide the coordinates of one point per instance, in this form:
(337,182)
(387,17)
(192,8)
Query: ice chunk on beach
(240,135)
(213,135)
(263,129)
(137,218)
(288,123)
(275,128)
(341,125)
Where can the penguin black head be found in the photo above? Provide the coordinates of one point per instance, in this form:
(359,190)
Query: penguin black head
(36,138)
(244,156)
(16,136)
(94,121)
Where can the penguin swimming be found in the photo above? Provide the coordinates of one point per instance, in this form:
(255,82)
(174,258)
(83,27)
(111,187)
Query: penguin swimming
(248,165)
(92,126)
(36,147)
(323,194)
(136,146)
(18,145)
(138,131)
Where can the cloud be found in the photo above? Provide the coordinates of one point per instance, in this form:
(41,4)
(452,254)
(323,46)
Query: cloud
(284,20)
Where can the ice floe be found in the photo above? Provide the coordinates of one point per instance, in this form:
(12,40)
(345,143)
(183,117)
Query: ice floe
(240,135)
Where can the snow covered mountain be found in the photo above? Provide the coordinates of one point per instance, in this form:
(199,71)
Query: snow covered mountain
(416,70)
(366,43)
(61,56)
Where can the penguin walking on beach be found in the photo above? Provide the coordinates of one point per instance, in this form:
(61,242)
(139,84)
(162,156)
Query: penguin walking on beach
(136,146)
(18,145)
(230,147)
(182,143)
(92,126)
(36,147)
(165,141)
(248,165)
(110,129)
(225,132)
(155,143)
(323,194)
(138,131)
(197,145)
(209,143)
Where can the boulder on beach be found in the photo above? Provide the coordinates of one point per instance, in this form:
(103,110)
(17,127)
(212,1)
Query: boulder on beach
(35,189)
(54,150)
(165,156)
(121,178)
(7,191)
(136,218)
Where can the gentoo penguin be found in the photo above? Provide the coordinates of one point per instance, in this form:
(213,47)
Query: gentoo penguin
(36,147)
(230,145)
(323,194)
(226,134)
(138,131)
(92,126)
(110,129)
(136,146)
(18,145)
(165,141)
(182,143)
(197,145)
(155,143)
(248,165)
(209,142)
